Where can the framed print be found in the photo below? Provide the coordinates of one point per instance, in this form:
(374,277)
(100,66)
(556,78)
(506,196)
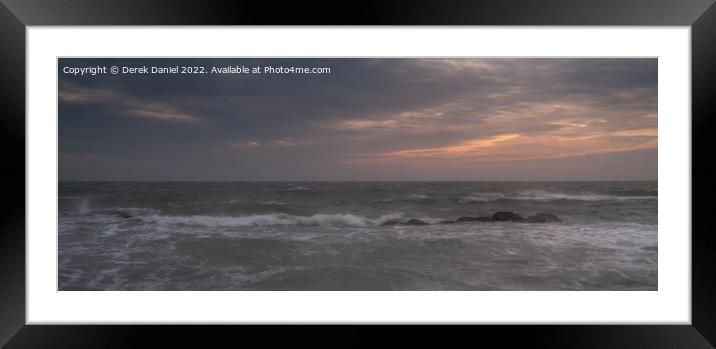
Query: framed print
(454,167)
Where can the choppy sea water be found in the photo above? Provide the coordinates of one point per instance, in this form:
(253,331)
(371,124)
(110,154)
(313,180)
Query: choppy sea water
(338,236)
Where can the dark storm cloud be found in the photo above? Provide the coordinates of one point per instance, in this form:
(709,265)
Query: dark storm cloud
(368,116)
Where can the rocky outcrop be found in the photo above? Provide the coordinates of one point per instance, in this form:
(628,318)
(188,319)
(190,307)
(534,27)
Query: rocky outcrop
(414,222)
(502,216)
(390,223)
(507,216)
(543,218)
(124,215)
(474,219)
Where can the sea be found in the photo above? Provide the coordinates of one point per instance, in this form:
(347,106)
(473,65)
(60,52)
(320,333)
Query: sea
(355,236)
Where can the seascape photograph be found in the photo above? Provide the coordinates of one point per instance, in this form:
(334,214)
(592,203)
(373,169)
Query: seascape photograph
(357,174)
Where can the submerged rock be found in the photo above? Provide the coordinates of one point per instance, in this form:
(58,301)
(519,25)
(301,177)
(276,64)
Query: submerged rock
(394,222)
(506,216)
(543,218)
(502,216)
(466,219)
(390,223)
(475,219)
(414,221)
(124,215)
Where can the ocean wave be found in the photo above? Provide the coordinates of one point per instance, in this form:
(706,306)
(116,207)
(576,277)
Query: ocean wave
(271,203)
(79,204)
(382,201)
(76,197)
(253,204)
(331,220)
(482,197)
(84,206)
(233,201)
(124,212)
(419,198)
(298,188)
(544,195)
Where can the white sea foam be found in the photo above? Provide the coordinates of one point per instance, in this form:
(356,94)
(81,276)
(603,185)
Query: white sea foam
(345,219)
(233,201)
(298,188)
(84,206)
(544,195)
(482,197)
(383,200)
(110,230)
(272,202)
(421,198)
(133,211)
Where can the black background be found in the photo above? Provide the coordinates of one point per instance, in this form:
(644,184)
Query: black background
(15,15)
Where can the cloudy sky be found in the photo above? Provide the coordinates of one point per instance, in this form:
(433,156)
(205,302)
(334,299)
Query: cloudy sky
(369,119)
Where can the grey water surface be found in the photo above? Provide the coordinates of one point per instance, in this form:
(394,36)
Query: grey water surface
(339,236)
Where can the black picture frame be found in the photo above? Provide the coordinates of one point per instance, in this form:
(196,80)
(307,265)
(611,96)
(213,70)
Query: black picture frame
(16,15)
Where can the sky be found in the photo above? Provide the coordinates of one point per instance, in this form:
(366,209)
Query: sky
(369,119)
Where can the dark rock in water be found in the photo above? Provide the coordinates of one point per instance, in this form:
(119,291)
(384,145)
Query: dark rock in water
(507,217)
(543,218)
(466,219)
(124,215)
(474,219)
(390,223)
(414,221)
(394,222)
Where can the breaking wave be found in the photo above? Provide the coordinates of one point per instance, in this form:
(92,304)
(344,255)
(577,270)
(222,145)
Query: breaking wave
(297,189)
(331,220)
(415,198)
(543,195)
